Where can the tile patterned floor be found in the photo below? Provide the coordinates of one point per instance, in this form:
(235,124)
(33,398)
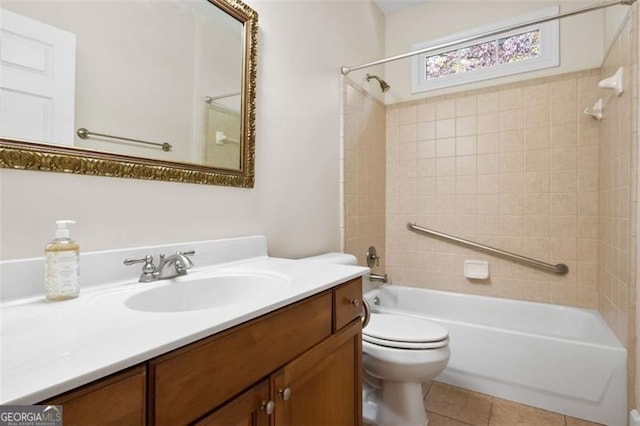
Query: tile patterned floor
(452,406)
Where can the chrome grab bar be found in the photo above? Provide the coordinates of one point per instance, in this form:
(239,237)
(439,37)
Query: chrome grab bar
(86,134)
(560,268)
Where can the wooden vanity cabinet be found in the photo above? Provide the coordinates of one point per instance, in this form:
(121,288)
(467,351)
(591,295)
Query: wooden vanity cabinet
(321,387)
(299,365)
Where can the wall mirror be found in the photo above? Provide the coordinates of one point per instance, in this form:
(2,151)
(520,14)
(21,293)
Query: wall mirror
(148,89)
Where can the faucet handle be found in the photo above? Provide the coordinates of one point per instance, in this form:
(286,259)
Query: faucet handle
(148,269)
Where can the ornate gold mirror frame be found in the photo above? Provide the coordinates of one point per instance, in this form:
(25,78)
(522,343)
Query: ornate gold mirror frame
(28,155)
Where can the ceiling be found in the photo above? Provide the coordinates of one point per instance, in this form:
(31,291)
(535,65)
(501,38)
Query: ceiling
(393,6)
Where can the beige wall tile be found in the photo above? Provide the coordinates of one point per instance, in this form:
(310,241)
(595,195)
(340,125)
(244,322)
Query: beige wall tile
(446,147)
(488,163)
(488,143)
(488,102)
(466,166)
(426,149)
(537,138)
(536,182)
(564,113)
(446,166)
(466,106)
(488,184)
(426,112)
(564,159)
(426,130)
(407,133)
(536,95)
(445,109)
(488,123)
(537,160)
(511,183)
(466,126)
(537,116)
(466,145)
(511,99)
(564,91)
(511,162)
(564,136)
(445,128)
(511,120)
(408,114)
(512,141)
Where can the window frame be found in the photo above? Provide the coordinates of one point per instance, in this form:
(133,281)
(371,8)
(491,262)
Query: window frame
(549,52)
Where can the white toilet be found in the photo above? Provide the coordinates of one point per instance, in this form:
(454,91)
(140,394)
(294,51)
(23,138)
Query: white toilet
(399,354)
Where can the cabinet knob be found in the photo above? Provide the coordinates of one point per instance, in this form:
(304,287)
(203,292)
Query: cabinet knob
(285,393)
(268,407)
(355,303)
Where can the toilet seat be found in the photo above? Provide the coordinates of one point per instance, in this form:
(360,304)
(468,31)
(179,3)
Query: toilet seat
(403,332)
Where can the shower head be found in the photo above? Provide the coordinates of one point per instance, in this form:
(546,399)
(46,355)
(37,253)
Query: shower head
(383,84)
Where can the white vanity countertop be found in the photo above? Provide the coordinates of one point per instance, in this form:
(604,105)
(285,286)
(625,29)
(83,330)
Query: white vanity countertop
(47,348)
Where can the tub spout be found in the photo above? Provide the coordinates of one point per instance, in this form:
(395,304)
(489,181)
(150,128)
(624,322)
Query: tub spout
(380,278)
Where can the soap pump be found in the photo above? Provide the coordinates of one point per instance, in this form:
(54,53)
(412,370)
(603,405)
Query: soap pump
(62,256)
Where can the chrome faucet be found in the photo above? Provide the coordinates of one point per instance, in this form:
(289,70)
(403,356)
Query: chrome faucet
(179,260)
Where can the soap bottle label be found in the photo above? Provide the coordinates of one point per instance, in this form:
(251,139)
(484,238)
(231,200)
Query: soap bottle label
(62,273)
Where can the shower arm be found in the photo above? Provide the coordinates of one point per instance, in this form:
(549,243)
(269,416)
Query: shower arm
(346,70)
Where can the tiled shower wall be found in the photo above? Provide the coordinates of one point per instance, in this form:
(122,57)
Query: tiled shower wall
(512,166)
(364,173)
(618,186)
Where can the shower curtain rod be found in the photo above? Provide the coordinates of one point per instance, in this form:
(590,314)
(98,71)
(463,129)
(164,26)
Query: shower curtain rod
(346,70)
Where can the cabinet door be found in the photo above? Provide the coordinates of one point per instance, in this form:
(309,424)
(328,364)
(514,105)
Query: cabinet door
(249,409)
(324,385)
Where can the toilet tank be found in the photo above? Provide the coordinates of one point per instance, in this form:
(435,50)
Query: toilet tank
(334,257)
(344,259)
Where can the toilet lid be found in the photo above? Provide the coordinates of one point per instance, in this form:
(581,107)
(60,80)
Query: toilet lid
(404,332)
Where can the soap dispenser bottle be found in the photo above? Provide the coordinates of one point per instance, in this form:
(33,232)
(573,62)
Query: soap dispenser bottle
(62,256)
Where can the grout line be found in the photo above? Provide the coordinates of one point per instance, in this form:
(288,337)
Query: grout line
(493,399)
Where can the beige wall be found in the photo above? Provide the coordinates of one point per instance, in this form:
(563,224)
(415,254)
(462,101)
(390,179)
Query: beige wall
(618,186)
(364,173)
(296,200)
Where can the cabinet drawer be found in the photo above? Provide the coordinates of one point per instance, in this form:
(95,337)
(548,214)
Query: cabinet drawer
(193,380)
(116,400)
(347,303)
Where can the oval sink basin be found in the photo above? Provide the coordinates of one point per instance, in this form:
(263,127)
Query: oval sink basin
(207,293)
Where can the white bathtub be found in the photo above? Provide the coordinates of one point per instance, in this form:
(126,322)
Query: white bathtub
(554,357)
